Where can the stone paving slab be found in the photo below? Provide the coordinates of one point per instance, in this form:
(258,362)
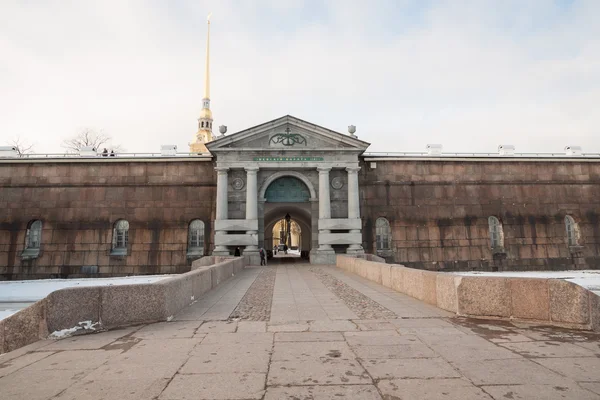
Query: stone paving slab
(312,347)
(37,385)
(362,392)
(243,386)
(447,389)
(122,389)
(527,392)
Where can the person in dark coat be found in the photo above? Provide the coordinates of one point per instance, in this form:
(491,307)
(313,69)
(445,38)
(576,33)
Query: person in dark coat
(237,252)
(263,256)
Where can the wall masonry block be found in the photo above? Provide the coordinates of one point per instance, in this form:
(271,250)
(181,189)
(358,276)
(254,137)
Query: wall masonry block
(131,304)
(386,275)
(429,295)
(530,298)
(446,292)
(569,303)
(594,311)
(67,307)
(25,327)
(483,296)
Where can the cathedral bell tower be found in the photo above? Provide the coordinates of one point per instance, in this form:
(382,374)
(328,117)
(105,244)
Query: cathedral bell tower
(205,121)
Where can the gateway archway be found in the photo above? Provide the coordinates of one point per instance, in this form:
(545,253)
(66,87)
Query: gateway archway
(288,194)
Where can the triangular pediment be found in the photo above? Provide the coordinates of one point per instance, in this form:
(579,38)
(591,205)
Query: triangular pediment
(288,133)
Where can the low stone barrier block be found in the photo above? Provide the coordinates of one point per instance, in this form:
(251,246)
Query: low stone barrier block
(131,304)
(569,303)
(70,306)
(2,337)
(530,298)
(202,281)
(482,296)
(25,327)
(413,282)
(178,293)
(445,290)
(397,273)
(594,311)
(372,271)
(429,287)
(386,275)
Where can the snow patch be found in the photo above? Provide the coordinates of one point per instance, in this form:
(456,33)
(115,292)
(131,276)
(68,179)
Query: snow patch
(170,318)
(83,325)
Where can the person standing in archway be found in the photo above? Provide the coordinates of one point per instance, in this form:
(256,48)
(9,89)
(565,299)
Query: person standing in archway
(237,252)
(263,256)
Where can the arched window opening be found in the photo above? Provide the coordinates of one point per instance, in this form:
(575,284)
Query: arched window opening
(496,233)
(572,231)
(196,234)
(383,234)
(202,124)
(33,238)
(120,237)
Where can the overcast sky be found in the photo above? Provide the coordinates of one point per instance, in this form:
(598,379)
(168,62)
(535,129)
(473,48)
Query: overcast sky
(467,74)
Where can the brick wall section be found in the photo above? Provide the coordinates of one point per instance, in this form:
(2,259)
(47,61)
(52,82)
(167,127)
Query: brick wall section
(78,203)
(438,212)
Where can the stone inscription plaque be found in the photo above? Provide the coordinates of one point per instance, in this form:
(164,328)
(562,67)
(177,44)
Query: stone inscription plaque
(288,159)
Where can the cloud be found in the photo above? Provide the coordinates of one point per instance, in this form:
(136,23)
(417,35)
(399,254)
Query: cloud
(470,75)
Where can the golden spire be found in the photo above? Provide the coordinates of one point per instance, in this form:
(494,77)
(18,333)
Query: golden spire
(207,71)
(204,134)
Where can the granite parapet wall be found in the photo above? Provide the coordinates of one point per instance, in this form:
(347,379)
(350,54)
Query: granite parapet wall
(549,301)
(108,307)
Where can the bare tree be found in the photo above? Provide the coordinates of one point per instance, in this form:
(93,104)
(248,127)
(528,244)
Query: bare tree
(89,137)
(22,145)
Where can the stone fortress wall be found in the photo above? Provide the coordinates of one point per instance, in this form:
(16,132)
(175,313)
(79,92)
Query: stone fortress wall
(79,201)
(438,212)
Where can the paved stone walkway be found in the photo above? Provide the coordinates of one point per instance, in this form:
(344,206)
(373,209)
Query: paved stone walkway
(301,332)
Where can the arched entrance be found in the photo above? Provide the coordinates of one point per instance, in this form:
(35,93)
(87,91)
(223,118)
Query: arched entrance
(288,194)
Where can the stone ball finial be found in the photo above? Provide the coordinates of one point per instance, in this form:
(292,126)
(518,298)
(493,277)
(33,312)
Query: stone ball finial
(351,130)
(223,129)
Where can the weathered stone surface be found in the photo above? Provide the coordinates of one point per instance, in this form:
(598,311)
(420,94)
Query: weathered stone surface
(36,385)
(67,307)
(594,311)
(526,392)
(202,281)
(128,304)
(386,275)
(25,327)
(227,386)
(308,337)
(581,369)
(479,296)
(363,392)
(168,330)
(217,326)
(2,337)
(122,389)
(530,298)
(569,303)
(178,292)
(429,295)
(238,358)
(508,372)
(420,368)
(448,389)
(446,292)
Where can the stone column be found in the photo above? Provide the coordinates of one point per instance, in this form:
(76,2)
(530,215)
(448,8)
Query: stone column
(353,205)
(222,207)
(251,209)
(325,254)
(222,188)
